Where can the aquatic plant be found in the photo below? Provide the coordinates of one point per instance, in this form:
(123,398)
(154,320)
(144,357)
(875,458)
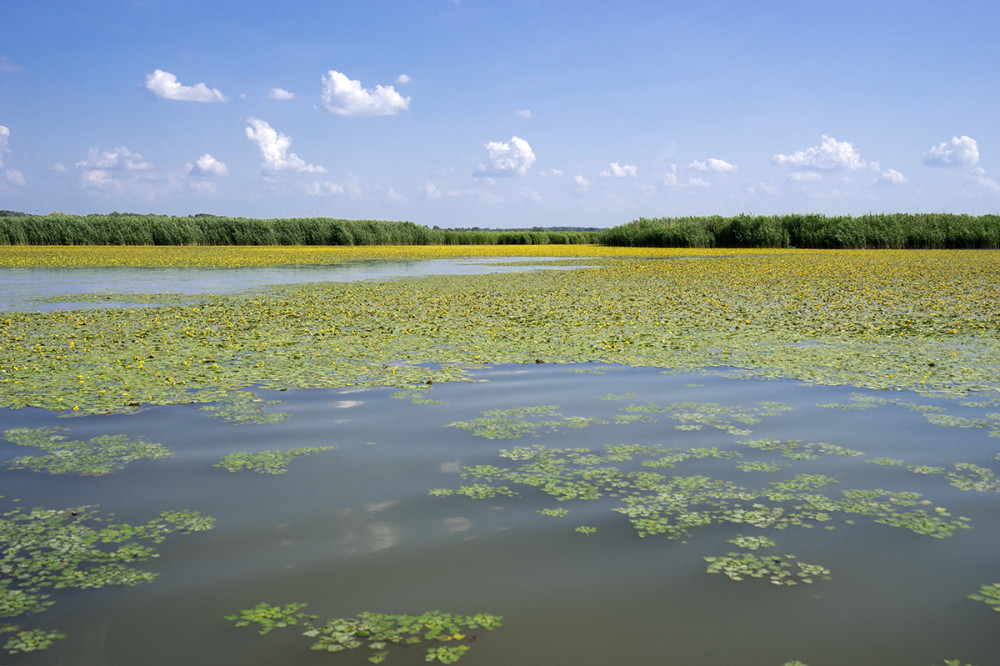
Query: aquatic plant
(776,568)
(272,461)
(988,594)
(51,549)
(512,423)
(244,407)
(98,456)
(446,632)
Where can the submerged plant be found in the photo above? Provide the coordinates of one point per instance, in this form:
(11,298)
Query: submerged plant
(98,456)
(446,634)
(267,462)
(50,549)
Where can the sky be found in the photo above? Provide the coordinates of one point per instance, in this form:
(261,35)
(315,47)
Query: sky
(499,114)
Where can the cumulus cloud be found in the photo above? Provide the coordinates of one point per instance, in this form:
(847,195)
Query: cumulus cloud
(672,182)
(507,158)
(121,172)
(166,86)
(581,183)
(403,78)
(960,151)
(274,149)
(346,97)
(712,164)
(206,165)
(280,93)
(620,171)
(890,177)
(830,154)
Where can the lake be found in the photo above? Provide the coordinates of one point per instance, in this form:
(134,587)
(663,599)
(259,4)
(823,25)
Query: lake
(577,501)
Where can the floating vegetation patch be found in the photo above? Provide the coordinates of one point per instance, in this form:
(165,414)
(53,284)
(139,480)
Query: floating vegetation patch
(988,594)
(50,549)
(867,319)
(416,395)
(244,407)
(513,423)
(675,506)
(695,415)
(267,462)
(98,456)
(777,568)
(446,637)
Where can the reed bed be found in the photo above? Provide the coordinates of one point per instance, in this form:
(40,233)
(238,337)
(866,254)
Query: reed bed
(884,231)
(134,229)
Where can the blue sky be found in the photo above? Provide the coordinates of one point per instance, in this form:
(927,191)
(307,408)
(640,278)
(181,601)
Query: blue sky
(504,113)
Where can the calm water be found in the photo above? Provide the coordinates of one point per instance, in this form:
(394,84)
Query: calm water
(23,289)
(355,529)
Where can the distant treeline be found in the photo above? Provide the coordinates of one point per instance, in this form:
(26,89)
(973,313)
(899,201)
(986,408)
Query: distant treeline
(898,230)
(203,229)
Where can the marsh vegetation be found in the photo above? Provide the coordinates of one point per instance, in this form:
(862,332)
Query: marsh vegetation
(770,443)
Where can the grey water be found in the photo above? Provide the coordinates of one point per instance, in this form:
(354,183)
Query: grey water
(26,289)
(356,529)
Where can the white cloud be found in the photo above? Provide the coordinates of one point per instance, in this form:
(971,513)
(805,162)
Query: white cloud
(620,171)
(672,182)
(431,191)
(280,93)
(15,176)
(324,189)
(59,167)
(551,172)
(274,149)
(961,150)
(805,176)
(524,113)
(979,175)
(830,154)
(346,97)
(165,85)
(119,158)
(403,78)
(206,165)
(581,183)
(890,177)
(712,164)
(507,158)
(4,137)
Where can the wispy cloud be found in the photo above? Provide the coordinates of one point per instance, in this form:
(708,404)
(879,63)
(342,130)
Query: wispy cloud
(274,147)
(166,86)
(524,113)
(346,97)
(507,158)
(6,65)
(280,93)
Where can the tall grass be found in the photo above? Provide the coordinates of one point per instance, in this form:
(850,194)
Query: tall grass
(133,229)
(896,231)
